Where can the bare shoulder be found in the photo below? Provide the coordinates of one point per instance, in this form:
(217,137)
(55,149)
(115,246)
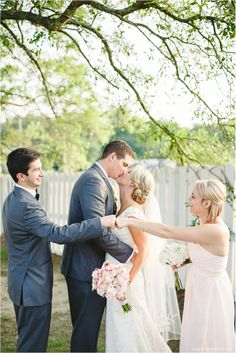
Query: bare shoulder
(218,229)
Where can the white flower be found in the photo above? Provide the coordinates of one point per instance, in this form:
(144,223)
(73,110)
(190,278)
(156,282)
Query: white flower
(174,254)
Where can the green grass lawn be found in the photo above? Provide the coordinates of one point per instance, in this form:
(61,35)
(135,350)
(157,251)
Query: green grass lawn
(60,332)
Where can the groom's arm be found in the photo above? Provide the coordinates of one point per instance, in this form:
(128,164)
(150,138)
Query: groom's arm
(92,198)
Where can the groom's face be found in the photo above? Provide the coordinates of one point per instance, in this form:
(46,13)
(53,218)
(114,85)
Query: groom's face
(119,166)
(124,179)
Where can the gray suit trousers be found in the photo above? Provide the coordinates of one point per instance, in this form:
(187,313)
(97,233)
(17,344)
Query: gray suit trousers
(33,324)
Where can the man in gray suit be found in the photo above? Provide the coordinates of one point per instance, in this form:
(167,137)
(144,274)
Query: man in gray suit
(93,196)
(28,232)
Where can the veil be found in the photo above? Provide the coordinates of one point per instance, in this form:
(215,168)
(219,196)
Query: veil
(161,294)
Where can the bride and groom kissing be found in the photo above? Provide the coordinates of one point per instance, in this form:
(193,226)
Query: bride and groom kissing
(87,238)
(150,324)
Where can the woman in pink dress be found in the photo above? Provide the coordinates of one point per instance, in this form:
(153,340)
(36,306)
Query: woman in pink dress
(208,317)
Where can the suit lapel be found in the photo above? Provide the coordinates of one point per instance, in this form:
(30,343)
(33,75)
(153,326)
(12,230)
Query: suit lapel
(100,172)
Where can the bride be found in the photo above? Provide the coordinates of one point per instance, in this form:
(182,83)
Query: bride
(154,318)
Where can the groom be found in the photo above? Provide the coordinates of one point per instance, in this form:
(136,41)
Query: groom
(28,232)
(93,196)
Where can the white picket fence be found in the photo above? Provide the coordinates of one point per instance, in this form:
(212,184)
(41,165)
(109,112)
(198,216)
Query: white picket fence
(173,186)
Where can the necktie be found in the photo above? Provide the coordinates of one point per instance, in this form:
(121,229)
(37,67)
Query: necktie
(114,208)
(114,201)
(37,195)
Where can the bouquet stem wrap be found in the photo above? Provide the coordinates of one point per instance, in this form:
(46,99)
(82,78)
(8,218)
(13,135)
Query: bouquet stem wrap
(178,283)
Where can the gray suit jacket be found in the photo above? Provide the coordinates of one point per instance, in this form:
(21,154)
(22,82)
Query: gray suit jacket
(28,232)
(92,196)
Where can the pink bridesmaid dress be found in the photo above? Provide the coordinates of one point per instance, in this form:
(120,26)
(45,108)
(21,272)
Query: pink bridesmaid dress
(208,317)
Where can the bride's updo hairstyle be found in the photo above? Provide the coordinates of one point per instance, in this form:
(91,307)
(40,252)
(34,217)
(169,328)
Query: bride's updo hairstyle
(144,183)
(214,191)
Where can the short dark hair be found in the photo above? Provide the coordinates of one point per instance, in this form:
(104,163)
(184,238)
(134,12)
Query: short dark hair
(18,161)
(121,148)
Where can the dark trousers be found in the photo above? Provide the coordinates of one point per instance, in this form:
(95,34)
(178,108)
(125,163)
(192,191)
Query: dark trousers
(86,308)
(33,324)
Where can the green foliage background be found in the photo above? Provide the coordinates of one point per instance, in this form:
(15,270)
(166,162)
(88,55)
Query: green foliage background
(75,139)
(190,42)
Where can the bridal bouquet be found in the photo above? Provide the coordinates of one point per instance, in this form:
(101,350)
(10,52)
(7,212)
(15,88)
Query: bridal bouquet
(111,281)
(175,254)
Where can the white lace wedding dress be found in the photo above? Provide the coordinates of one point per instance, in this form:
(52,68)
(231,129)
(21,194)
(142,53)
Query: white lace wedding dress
(139,329)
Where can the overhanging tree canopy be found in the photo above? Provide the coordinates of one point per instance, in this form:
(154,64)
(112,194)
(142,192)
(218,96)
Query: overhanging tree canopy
(186,40)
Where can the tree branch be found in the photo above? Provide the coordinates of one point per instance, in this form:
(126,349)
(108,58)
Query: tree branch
(85,57)
(139,99)
(143,5)
(57,23)
(21,45)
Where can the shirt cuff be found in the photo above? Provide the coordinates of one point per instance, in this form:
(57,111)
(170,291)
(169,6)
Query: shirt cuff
(130,256)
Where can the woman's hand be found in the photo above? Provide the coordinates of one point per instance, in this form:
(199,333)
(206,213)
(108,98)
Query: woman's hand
(122,222)
(175,268)
(108,221)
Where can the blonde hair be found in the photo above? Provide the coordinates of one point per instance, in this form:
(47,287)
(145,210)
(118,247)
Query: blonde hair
(144,183)
(214,191)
